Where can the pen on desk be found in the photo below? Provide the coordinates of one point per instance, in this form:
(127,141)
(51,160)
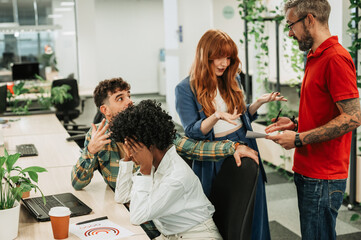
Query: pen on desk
(278,115)
(92,220)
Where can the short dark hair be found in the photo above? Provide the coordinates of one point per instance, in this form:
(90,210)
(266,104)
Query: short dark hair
(146,122)
(109,85)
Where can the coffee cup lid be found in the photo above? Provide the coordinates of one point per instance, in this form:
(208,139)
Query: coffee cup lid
(59,211)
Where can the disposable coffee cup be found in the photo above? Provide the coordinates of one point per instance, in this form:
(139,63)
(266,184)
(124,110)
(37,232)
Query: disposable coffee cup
(59,217)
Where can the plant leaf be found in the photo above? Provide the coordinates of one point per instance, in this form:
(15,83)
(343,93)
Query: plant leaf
(34,169)
(33,176)
(11,159)
(14,179)
(2,160)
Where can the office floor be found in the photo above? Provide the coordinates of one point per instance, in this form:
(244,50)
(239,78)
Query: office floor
(281,194)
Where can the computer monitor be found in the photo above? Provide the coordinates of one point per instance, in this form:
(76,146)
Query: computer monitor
(25,71)
(3,94)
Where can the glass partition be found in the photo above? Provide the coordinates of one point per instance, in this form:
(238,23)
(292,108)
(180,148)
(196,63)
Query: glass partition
(40,31)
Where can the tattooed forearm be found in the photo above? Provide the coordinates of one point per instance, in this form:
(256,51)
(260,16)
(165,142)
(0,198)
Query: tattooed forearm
(349,120)
(349,106)
(325,133)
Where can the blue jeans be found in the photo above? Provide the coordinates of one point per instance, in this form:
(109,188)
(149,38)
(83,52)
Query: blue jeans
(318,204)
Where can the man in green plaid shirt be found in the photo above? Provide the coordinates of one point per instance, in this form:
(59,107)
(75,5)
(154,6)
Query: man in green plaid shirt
(103,154)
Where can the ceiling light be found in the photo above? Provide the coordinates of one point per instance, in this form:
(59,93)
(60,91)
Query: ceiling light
(63,9)
(55,16)
(66,4)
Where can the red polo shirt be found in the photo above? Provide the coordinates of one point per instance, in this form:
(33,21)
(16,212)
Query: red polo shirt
(330,76)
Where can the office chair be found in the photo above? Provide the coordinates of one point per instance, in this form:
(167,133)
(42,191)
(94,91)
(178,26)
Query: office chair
(68,111)
(233,196)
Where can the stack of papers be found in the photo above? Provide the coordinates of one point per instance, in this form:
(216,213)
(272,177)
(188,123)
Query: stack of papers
(251,134)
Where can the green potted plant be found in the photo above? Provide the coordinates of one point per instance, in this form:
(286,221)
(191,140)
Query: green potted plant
(14,182)
(58,95)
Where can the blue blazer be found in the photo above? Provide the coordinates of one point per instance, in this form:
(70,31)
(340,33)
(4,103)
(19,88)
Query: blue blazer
(191,115)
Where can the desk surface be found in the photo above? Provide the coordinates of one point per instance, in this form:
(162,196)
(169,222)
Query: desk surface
(96,195)
(53,149)
(58,156)
(32,125)
(49,137)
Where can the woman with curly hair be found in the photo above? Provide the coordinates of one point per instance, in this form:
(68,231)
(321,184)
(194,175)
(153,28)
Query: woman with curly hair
(211,105)
(164,189)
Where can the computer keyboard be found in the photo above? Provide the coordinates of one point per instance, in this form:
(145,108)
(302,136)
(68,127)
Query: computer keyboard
(26,150)
(51,201)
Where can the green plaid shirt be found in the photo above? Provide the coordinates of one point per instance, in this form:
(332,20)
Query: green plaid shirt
(107,159)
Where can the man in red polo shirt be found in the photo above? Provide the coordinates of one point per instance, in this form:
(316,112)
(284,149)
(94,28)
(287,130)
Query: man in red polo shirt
(329,110)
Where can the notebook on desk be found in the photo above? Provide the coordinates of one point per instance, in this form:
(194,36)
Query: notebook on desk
(40,211)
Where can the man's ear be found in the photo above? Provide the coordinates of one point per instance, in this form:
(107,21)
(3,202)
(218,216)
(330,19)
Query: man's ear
(311,19)
(103,109)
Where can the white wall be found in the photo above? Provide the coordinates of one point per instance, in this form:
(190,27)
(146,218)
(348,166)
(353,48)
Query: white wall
(121,38)
(65,44)
(234,26)
(86,43)
(171,37)
(196,18)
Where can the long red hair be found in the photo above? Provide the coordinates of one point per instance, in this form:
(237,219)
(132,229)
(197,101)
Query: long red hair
(215,44)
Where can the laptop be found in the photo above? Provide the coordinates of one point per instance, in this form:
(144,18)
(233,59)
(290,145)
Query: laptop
(40,211)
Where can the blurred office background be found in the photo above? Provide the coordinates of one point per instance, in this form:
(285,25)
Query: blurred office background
(151,44)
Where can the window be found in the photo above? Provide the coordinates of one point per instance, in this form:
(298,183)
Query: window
(38,31)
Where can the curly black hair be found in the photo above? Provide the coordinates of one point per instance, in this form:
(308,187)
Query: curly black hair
(109,85)
(146,122)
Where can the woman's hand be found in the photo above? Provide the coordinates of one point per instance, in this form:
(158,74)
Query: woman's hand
(265,98)
(140,155)
(128,156)
(228,117)
(271,97)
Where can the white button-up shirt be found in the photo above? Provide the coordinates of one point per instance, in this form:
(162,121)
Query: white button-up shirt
(172,196)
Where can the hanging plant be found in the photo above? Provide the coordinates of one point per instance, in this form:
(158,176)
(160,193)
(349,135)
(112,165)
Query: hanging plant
(353,30)
(354,49)
(255,12)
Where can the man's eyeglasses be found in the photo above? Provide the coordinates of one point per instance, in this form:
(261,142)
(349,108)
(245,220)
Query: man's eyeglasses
(299,20)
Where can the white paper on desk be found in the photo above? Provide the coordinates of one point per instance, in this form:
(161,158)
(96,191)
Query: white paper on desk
(251,134)
(99,230)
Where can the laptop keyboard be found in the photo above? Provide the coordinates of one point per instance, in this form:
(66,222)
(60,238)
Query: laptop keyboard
(27,150)
(51,201)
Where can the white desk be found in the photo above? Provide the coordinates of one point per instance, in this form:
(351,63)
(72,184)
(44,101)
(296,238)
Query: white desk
(58,156)
(53,149)
(49,137)
(32,125)
(97,195)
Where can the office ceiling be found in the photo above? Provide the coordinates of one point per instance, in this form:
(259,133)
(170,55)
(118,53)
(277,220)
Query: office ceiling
(26,12)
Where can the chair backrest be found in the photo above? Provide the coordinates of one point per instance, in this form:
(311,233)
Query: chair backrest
(69,104)
(98,117)
(233,196)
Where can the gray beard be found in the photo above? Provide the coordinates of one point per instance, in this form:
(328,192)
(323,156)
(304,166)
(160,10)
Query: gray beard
(306,42)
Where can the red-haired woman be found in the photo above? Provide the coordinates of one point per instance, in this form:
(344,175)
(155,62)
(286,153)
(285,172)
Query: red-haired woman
(211,106)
